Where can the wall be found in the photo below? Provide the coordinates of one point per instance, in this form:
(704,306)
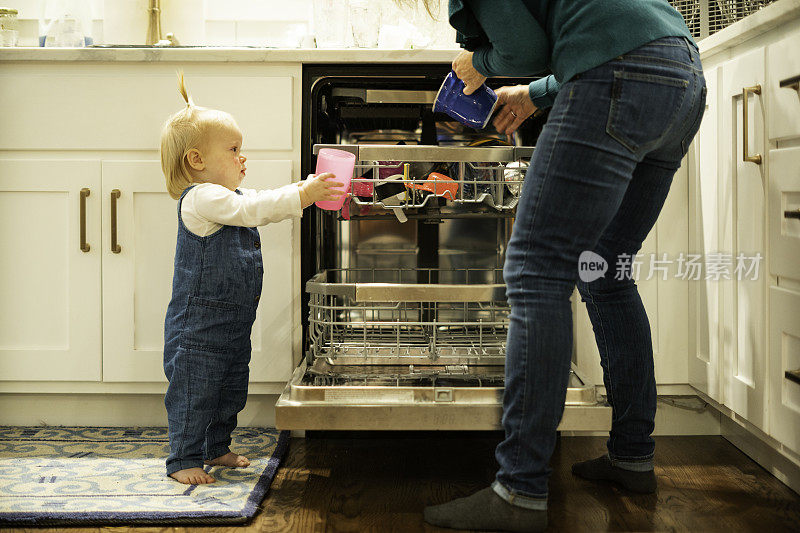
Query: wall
(274,23)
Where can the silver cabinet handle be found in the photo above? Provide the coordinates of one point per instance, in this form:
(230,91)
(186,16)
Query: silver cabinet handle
(756,89)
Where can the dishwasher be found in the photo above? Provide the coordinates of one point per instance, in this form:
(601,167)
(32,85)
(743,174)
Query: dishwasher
(405,312)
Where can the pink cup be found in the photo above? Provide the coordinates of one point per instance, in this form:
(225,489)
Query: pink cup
(340,164)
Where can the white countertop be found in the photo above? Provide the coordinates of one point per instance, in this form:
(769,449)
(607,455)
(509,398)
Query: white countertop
(770,16)
(766,18)
(218,54)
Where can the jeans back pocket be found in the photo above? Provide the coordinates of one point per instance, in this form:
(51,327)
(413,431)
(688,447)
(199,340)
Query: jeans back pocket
(643,108)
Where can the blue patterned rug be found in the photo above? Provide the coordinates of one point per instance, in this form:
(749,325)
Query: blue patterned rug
(91,476)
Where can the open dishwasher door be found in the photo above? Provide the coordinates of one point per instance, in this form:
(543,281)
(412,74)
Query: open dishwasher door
(407,324)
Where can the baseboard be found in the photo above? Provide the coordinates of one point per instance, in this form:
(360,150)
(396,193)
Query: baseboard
(777,459)
(113,410)
(676,415)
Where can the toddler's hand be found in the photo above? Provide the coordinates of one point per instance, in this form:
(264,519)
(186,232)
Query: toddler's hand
(317,188)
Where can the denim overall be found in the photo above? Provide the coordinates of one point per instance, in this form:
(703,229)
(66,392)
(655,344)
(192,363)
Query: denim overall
(215,291)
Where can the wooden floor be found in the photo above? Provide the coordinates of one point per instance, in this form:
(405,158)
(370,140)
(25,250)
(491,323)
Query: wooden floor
(381,482)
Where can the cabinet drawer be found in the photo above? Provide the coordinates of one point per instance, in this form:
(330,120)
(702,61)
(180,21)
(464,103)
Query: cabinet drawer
(95,107)
(783,67)
(784,210)
(784,356)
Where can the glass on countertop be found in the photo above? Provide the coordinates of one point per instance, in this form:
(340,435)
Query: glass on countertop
(9,27)
(65,23)
(365,21)
(330,23)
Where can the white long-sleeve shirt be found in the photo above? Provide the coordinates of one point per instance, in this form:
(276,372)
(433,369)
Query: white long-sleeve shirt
(208,207)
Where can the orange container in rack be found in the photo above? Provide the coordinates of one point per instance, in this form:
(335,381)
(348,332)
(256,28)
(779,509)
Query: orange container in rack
(438,185)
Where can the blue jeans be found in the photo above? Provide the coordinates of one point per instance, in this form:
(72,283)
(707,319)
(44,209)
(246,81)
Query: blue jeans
(598,179)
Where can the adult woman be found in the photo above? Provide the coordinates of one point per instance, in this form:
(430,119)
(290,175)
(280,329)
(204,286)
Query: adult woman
(627,95)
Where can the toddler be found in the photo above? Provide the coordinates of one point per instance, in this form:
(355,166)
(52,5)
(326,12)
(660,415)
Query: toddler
(216,284)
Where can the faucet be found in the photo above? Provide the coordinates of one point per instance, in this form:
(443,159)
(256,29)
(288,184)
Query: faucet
(154,24)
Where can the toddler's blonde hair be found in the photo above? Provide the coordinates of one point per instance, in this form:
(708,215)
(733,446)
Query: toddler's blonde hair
(182,132)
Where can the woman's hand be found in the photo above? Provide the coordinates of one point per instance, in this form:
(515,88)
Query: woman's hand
(317,188)
(462,66)
(516,107)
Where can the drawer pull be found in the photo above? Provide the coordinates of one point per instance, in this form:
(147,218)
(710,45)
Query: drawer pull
(115,247)
(84,245)
(792,214)
(793,375)
(791,83)
(756,89)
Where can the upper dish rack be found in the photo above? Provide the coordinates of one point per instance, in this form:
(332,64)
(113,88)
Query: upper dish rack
(399,177)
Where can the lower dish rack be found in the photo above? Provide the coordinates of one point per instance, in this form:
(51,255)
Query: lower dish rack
(411,349)
(450,318)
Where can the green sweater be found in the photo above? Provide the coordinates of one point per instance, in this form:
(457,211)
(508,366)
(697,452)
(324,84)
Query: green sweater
(565,37)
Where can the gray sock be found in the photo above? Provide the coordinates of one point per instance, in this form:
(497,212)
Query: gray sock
(601,469)
(485,510)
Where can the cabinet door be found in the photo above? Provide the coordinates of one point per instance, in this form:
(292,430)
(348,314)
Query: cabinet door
(276,331)
(743,215)
(784,212)
(783,65)
(784,355)
(49,286)
(704,361)
(137,281)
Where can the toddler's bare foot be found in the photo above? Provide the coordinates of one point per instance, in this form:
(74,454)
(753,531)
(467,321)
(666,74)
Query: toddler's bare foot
(230,459)
(192,476)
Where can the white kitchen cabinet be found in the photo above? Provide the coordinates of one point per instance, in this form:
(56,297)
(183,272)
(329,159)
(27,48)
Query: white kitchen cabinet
(59,326)
(743,214)
(757,313)
(50,284)
(95,319)
(137,278)
(137,274)
(111,107)
(784,212)
(783,64)
(704,360)
(784,411)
